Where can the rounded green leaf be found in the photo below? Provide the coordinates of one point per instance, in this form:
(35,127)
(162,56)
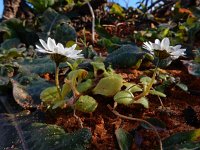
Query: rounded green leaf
(124,139)
(132,87)
(66,88)
(84,86)
(86,104)
(182,86)
(109,86)
(124,97)
(154,92)
(145,80)
(143,101)
(49,95)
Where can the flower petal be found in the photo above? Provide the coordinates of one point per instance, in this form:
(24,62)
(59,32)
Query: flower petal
(157,41)
(148,46)
(60,46)
(156,46)
(44,51)
(51,44)
(165,44)
(43,43)
(177,47)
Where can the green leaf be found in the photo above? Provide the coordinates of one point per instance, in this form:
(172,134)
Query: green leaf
(39,65)
(41,5)
(154,92)
(10,54)
(75,77)
(165,32)
(50,96)
(182,86)
(99,68)
(116,9)
(186,139)
(124,57)
(89,52)
(145,80)
(132,87)
(85,86)
(66,88)
(86,104)
(109,86)
(14,28)
(50,19)
(39,136)
(102,32)
(124,97)
(143,101)
(9,27)
(124,139)
(155,122)
(10,43)
(64,33)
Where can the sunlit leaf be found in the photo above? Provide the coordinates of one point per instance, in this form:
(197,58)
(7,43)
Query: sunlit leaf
(66,88)
(158,93)
(75,77)
(85,86)
(50,95)
(109,86)
(116,9)
(86,104)
(132,87)
(143,101)
(99,68)
(124,97)
(146,80)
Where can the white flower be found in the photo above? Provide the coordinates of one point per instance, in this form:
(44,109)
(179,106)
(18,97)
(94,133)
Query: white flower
(52,48)
(163,48)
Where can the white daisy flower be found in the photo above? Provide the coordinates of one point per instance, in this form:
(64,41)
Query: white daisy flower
(162,49)
(52,48)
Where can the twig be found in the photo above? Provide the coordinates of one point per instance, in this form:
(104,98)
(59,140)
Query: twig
(51,25)
(78,118)
(137,119)
(93,22)
(161,103)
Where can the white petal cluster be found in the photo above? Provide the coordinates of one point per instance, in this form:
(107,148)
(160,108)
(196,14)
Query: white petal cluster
(52,48)
(164,45)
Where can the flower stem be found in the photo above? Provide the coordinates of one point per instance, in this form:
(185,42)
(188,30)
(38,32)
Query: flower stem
(57,80)
(149,86)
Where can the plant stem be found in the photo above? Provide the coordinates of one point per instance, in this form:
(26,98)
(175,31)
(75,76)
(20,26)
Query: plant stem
(57,80)
(140,120)
(93,21)
(149,86)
